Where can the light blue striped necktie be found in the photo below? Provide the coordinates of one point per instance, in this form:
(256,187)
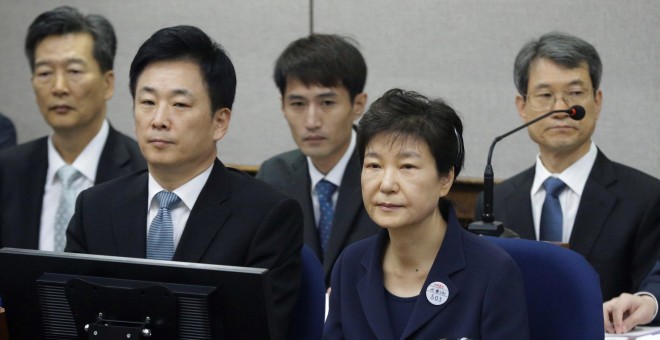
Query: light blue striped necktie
(552,219)
(324,191)
(67,175)
(160,240)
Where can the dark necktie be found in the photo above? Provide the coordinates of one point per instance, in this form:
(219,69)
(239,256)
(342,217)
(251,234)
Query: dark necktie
(324,191)
(160,240)
(551,215)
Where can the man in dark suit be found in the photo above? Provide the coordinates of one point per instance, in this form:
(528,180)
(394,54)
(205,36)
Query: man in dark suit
(71,57)
(606,211)
(188,206)
(7,132)
(321,79)
(629,310)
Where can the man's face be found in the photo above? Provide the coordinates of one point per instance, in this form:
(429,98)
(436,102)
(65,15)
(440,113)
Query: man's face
(174,125)
(321,120)
(70,89)
(559,134)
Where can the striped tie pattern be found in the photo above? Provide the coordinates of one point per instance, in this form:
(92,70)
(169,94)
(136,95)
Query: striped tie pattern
(67,175)
(324,191)
(160,240)
(551,215)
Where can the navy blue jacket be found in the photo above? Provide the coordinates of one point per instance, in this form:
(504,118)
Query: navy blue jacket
(486,293)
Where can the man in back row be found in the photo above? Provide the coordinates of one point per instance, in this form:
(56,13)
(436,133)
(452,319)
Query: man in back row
(188,206)
(71,58)
(606,211)
(321,79)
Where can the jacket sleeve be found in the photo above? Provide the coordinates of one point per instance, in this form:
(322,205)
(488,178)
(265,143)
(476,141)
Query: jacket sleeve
(277,246)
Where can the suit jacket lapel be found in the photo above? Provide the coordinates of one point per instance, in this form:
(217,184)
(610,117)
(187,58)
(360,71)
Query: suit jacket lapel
(300,189)
(130,230)
(349,203)
(595,206)
(113,158)
(449,260)
(371,289)
(34,181)
(207,216)
(518,207)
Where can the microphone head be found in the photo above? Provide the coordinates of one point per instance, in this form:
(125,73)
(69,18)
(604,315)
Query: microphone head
(576,112)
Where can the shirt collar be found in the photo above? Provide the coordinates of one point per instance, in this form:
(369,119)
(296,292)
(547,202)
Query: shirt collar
(337,172)
(86,163)
(575,176)
(188,193)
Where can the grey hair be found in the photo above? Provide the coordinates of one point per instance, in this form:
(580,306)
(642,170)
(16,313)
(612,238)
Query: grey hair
(564,49)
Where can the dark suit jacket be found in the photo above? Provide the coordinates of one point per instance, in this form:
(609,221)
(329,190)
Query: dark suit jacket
(7,132)
(652,285)
(236,221)
(486,292)
(617,226)
(289,172)
(23,171)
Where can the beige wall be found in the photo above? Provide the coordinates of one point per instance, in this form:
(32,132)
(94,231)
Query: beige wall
(461,50)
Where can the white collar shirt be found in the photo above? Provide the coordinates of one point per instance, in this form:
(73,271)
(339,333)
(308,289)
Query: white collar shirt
(86,163)
(575,177)
(334,176)
(188,193)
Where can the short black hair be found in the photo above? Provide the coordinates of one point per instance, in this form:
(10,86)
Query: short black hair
(563,49)
(190,43)
(406,114)
(322,59)
(65,20)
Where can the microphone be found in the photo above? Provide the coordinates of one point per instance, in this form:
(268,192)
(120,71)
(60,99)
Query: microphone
(488,226)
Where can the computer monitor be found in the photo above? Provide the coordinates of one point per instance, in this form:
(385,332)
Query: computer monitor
(50,295)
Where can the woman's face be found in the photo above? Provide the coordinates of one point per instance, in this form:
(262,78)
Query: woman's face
(400,183)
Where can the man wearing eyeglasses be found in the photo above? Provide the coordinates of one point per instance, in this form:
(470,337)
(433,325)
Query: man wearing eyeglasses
(606,211)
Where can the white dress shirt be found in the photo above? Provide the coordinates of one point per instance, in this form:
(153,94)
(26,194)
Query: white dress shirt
(654,299)
(334,176)
(188,193)
(575,177)
(86,163)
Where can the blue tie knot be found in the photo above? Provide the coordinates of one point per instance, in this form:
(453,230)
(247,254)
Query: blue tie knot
(553,186)
(67,174)
(325,189)
(167,199)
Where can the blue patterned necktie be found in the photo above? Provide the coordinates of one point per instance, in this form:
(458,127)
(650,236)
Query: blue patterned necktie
(67,175)
(324,191)
(551,215)
(160,240)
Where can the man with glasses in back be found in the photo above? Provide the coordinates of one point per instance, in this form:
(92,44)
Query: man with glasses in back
(606,211)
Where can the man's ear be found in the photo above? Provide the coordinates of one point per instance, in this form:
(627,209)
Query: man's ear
(109,82)
(598,103)
(359,104)
(520,105)
(221,119)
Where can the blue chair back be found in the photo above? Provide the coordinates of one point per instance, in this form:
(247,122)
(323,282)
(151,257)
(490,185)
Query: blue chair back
(564,300)
(309,312)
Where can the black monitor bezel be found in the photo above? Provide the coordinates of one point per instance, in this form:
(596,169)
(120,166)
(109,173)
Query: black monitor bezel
(243,294)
